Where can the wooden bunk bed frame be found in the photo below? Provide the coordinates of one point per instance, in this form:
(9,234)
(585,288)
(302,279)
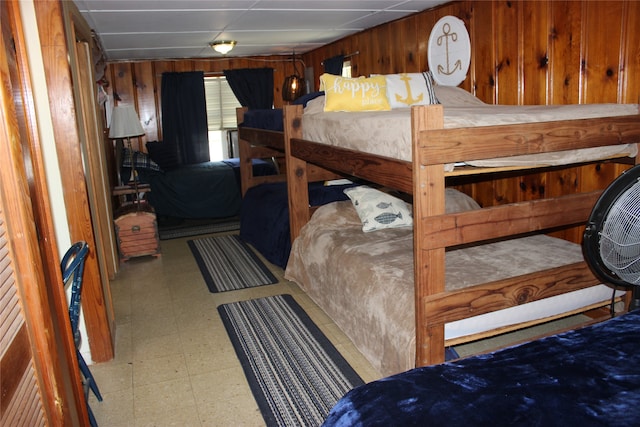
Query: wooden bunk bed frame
(257,144)
(435,231)
(254,143)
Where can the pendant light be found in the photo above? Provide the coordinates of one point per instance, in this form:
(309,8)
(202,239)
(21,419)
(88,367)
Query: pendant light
(293,85)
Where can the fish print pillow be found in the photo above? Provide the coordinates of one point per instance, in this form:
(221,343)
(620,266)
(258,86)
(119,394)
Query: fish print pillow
(378,210)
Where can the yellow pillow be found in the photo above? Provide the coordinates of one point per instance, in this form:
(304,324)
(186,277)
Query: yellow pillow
(354,94)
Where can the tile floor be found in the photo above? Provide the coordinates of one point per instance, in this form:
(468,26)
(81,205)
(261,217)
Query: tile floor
(174,364)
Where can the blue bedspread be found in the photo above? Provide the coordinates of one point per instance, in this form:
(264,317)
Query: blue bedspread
(203,190)
(587,377)
(264,217)
(272,119)
(264,119)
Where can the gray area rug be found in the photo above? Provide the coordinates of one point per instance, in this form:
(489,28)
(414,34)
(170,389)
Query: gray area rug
(228,264)
(295,373)
(188,228)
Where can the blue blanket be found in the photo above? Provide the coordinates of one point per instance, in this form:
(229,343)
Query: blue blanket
(272,119)
(203,190)
(264,217)
(264,119)
(587,377)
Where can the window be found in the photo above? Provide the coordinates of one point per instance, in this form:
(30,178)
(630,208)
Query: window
(221,117)
(346,69)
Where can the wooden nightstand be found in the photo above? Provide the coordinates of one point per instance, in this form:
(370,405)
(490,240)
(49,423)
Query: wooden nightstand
(122,191)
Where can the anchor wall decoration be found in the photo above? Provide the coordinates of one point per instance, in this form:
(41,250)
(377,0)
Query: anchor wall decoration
(444,38)
(449,52)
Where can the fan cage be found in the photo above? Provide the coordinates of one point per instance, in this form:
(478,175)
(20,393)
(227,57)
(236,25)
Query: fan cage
(620,236)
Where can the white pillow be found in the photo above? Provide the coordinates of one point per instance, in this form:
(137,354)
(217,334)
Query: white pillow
(378,210)
(451,96)
(316,105)
(407,89)
(457,201)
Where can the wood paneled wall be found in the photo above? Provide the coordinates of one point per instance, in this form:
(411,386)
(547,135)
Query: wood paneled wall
(523,52)
(139,83)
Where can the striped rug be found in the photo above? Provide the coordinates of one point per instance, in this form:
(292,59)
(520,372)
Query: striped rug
(295,373)
(227,264)
(197,230)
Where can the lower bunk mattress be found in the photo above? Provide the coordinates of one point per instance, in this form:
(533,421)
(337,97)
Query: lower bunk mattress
(364,281)
(585,377)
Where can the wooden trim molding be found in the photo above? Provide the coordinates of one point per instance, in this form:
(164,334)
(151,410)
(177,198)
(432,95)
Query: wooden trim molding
(55,55)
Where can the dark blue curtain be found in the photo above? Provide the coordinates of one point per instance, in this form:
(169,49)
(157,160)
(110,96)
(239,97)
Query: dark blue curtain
(252,86)
(184,116)
(333,65)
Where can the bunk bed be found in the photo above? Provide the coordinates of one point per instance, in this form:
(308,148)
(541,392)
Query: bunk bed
(438,152)
(264,216)
(260,136)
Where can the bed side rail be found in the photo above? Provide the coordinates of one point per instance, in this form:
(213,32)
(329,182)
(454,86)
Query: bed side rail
(442,146)
(450,306)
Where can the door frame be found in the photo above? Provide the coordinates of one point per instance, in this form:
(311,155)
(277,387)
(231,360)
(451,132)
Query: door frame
(32,243)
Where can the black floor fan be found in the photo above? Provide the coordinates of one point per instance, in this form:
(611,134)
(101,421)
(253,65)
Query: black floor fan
(611,243)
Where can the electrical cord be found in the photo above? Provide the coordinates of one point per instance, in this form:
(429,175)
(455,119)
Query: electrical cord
(612,310)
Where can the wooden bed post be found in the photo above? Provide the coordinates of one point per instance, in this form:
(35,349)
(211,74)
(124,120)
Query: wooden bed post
(244,152)
(428,200)
(297,177)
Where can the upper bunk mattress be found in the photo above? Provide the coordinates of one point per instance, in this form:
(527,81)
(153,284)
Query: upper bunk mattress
(388,133)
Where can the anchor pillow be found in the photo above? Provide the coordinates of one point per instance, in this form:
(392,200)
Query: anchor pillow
(378,210)
(407,89)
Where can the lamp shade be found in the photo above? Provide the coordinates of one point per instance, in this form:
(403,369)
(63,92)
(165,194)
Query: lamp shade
(124,122)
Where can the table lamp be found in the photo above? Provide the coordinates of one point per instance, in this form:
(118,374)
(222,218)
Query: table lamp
(125,124)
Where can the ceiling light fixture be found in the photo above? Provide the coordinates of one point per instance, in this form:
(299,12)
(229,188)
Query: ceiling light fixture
(223,46)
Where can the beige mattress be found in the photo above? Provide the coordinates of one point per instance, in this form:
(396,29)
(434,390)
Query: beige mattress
(364,281)
(388,133)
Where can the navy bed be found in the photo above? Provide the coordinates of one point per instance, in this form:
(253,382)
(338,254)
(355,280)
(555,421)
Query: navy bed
(203,190)
(264,217)
(272,119)
(586,377)
(263,119)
